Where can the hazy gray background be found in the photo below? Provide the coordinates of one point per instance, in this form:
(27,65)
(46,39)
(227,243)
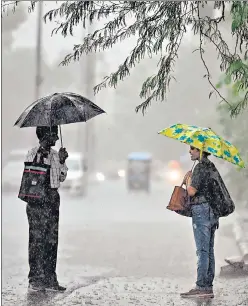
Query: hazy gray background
(111,232)
(188,100)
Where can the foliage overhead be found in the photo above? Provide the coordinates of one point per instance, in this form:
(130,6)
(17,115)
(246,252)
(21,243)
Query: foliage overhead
(159,28)
(236,132)
(238,97)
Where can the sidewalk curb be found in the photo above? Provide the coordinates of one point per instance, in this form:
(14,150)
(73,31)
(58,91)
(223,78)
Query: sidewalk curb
(241,238)
(237,265)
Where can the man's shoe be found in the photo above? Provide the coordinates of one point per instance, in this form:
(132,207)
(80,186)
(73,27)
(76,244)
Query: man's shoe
(55,288)
(36,288)
(197,293)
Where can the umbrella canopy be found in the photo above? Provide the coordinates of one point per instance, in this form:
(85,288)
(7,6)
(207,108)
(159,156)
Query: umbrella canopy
(58,109)
(206,140)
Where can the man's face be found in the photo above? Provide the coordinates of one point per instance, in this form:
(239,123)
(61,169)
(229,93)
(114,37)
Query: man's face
(194,153)
(50,139)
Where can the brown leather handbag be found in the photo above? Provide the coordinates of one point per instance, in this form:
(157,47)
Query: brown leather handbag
(179,199)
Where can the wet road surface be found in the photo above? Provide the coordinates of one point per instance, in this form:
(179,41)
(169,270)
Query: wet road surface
(116,248)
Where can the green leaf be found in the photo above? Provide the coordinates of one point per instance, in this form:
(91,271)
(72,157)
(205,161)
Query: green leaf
(235,25)
(228,79)
(236,88)
(219,85)
(234,66)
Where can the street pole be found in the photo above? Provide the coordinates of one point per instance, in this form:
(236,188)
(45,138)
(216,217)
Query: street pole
(89,136)
(38,77)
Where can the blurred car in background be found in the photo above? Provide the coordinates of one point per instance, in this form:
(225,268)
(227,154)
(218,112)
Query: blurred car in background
(121,173)
(98,177)
(139,166)
(111,170)
(173,172)
(74,181)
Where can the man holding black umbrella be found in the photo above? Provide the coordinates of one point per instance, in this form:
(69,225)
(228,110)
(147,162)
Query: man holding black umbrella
(44,169)
(43,217)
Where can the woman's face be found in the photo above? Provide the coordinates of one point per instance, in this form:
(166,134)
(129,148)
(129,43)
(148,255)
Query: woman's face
(194,153)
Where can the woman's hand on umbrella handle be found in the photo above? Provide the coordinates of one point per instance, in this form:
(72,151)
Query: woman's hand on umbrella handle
(186,177)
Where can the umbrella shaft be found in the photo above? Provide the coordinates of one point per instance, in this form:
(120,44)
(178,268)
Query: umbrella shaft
(61,140)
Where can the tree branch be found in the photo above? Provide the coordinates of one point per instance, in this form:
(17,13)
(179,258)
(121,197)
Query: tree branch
(157,24)
(208,73)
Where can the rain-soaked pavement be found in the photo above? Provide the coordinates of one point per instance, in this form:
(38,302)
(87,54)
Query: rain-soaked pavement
(116,249)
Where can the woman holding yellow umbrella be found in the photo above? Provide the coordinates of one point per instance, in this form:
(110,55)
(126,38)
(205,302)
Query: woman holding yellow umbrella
(205,139)
(208,196)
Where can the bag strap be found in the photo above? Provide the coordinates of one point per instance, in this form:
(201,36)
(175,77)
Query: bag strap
(193,166)
(35,158)
(42,157)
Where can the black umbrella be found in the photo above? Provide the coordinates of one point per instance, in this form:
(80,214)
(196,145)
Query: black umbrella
(58,109)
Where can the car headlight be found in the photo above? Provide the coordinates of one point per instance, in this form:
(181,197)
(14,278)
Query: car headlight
(121,173)
(174,175)
(100,176)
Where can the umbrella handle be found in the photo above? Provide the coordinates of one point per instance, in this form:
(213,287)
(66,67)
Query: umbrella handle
(61,140)
(190,170)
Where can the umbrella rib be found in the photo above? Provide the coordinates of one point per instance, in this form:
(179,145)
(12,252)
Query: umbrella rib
(71,100)
(61,109)
(75,104)
(33,109)
(28,110)
(64,111)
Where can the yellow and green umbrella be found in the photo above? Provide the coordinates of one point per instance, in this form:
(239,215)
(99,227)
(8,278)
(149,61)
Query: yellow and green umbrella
(205,140)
